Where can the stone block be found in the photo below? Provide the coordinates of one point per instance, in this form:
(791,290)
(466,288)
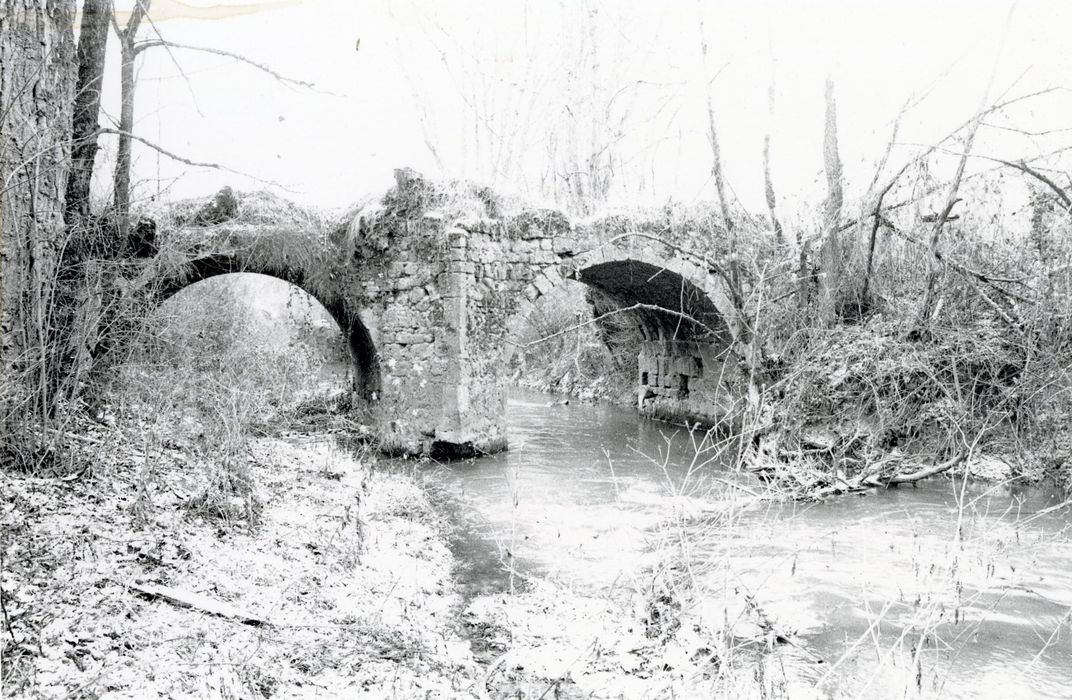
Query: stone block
(564,245)
(457,237)
(544,284)
(524,308)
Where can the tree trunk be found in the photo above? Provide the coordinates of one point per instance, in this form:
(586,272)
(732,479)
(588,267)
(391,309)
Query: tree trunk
(36,90)
(716,163)
(831,254)
(126,117)
(92,43)
(121,184)
(768,182)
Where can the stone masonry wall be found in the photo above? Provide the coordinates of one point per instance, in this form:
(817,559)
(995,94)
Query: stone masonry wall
(681,380)
(439,303)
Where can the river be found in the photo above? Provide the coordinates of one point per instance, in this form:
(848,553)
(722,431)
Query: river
(962,588)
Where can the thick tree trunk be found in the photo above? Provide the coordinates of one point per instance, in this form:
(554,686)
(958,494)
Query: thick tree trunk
(36,91)
(92,43)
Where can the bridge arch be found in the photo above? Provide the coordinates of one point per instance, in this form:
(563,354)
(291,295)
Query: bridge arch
(686,367)
(674,298)
(363,350)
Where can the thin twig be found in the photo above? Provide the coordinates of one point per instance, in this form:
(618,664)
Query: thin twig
(142,46)
(180,159)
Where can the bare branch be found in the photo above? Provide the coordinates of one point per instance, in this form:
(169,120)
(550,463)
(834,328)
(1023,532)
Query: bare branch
(175,61)
(876,209)
(635,307)
(1027,132)
(932,190)
(931,148)
(142,46)
(973,278)
(1023,167)
(951,197)
(180,159)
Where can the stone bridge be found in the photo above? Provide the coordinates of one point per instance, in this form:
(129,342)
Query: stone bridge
(432,289)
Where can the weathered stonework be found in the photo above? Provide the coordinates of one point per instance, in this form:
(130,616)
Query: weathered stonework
(433,305)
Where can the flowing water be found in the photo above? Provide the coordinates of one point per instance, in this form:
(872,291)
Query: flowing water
(963,588)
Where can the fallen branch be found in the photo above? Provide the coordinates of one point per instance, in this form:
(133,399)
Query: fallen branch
(196,601)
(870,478)
(925,472)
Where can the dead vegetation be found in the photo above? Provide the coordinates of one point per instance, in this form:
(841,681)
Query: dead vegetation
(875,400)
(113,585)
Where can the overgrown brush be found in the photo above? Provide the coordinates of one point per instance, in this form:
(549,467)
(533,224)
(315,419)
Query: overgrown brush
(985,374)
(205,376)
(855,393)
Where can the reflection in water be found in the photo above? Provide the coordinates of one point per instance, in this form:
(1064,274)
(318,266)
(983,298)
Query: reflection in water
(959,587)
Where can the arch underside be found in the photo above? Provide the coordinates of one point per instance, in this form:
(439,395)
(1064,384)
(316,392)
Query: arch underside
(665,304)
(363,351)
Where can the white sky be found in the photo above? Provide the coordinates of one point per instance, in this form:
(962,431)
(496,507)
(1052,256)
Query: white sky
(330,149)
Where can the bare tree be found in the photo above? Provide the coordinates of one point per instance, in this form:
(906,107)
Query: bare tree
(132,48)
(129,53)
(716,151)
(768,183)
(550,106)
(92,44)
(871,211)
(831,254)
(935,266)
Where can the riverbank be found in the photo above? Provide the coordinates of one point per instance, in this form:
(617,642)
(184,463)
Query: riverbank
(351,580)
(567,388)
(344,586)
(117,584)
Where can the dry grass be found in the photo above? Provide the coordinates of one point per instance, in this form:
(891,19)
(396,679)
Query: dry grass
(204,375)
(357,592)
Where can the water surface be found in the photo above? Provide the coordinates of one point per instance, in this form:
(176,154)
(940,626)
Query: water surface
(967,585)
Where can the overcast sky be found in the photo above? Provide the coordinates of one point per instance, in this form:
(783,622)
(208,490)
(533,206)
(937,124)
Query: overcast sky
(390,78)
